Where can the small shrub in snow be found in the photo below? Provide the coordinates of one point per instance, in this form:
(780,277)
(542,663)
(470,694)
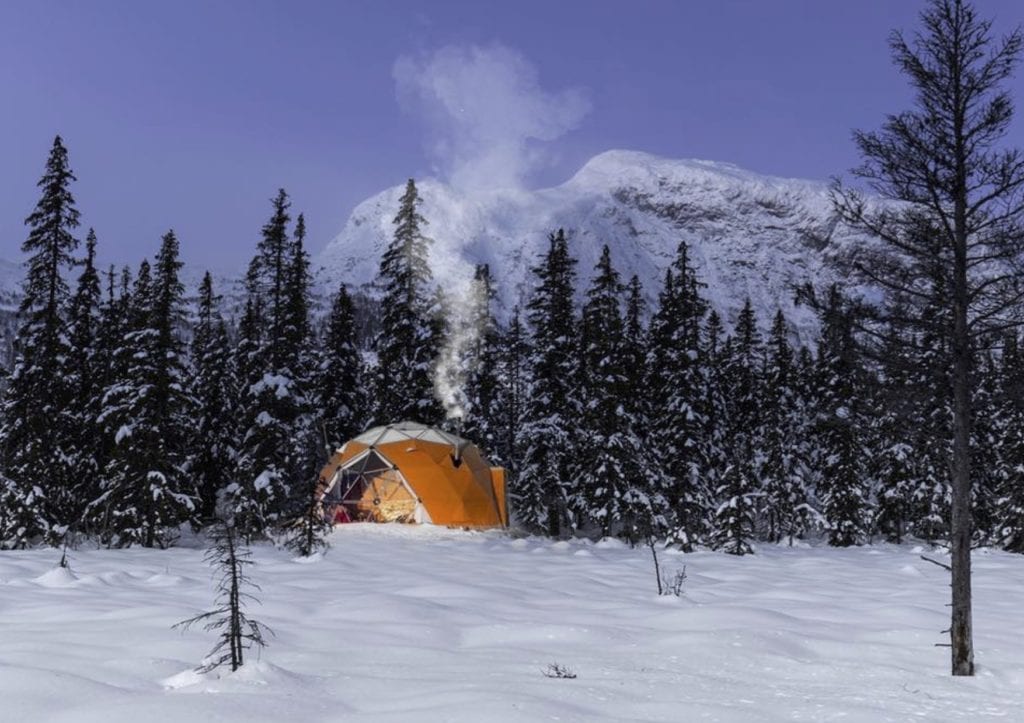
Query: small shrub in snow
(667,585)
(674,585)
(554,670)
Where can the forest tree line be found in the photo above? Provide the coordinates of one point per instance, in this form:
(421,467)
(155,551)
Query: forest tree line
(128,415)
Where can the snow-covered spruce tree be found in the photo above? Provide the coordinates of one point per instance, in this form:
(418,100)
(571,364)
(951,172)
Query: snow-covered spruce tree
(36,430)
(277,435)
(251,346)
(296,331)
(249,499)
(986,466)
(620,489)
(212,454)
(308,534)
(549,436)
(513,392)
(676,412)
(302,363)
(481,422)
(843,488)
(147,490)
(946,160)
(733,525)
(712,453)
(634,351)
(236,632)
(85,377)
(1009,532)
(111,364)
(341,397)
(930,381)
(409,336)
(893,461)
(310,444)
(739,489)
(784,509)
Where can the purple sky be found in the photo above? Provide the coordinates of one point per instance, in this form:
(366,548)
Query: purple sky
(192,114)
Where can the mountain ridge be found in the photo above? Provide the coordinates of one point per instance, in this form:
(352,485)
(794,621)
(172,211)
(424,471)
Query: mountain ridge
(749,234)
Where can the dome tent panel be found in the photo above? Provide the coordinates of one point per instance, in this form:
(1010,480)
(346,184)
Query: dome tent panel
(448,477)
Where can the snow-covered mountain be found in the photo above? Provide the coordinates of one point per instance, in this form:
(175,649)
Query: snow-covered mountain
(749,234)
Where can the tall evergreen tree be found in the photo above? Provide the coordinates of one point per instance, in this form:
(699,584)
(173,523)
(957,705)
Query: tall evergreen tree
(548,438)
(842,489)
(85,374)
(252,338)
(296,332)
(278,437)
(986,438)
(634,352)
(784,506)
(739,488)
(928,364)
(711,431)
(482,422)
(147,490)
(677,414)
(36,428)
(341,395)
(111,367)
(513,392)
(895,404)
(621,490)
(1009,532)
(303,361)
(212,455)
(274,272)
(408,341)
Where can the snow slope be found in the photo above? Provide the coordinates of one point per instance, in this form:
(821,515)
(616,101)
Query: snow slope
(426,624)
(750,234)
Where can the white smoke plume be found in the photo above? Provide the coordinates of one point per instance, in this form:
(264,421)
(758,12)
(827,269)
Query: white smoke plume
(457,358)
(486,112)
(487,121)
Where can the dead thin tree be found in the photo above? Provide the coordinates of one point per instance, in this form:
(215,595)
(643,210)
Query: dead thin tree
(947,255)
(236,632)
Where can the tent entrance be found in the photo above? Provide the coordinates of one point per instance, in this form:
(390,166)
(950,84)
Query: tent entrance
(370,489)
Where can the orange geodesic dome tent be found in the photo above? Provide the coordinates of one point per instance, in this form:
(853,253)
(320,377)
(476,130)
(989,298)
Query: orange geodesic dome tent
(409,472)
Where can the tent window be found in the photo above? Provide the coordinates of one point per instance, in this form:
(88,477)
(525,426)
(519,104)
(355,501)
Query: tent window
(371,490)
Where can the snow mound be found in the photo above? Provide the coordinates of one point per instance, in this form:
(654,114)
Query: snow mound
(309,559)
(256,673)
(57,577)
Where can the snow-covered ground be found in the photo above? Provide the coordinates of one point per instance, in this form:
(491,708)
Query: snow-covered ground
(425,624)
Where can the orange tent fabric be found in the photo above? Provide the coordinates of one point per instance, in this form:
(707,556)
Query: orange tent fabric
(412,472)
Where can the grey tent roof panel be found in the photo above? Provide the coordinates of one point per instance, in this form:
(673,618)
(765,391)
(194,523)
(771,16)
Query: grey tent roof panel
(411,431)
